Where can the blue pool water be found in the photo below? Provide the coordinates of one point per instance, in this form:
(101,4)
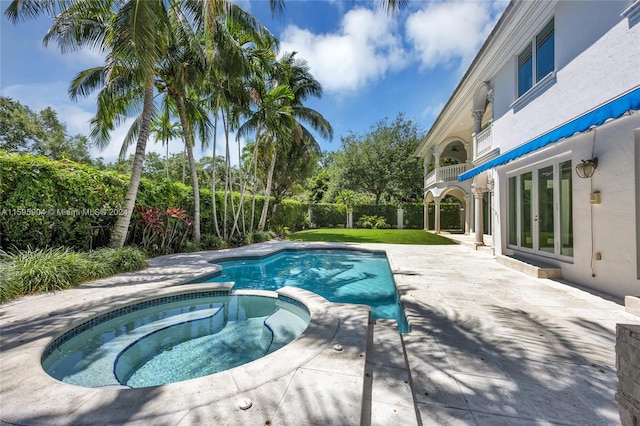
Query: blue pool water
(343,276)
(157,343)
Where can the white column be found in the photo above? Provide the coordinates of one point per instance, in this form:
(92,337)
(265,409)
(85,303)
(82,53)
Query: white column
(437,211)
(477,120)
(436,156)
(478,195)
(467,214)
(426,214)
(400,219)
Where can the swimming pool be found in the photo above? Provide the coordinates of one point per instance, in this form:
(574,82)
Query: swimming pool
(343,276)
(174,338)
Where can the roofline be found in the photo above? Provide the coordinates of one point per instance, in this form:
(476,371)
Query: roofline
(473,64)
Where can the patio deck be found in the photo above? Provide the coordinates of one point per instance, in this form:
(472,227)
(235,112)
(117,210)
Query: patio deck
(488,346)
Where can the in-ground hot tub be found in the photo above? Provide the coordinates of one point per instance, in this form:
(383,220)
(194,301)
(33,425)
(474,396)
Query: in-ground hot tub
(174,338)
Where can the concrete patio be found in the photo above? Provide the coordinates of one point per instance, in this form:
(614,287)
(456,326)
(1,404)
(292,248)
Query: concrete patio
(488,346)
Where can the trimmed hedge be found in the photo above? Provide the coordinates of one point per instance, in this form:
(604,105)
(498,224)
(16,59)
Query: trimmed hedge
(47,203)
(328,216)
(449,216)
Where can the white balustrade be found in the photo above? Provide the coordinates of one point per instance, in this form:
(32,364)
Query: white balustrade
(450,173)
(483,142)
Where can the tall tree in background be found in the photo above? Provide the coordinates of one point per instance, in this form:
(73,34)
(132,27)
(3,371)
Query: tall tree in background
(293,73)
(22,130)
(163,129)
(381,162)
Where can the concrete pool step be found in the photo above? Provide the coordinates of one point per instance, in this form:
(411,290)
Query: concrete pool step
(388,398)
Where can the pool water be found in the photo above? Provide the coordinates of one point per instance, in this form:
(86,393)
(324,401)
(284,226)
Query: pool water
(343,276)
(176,341)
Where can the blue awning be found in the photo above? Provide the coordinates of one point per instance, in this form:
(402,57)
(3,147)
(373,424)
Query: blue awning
(612,109)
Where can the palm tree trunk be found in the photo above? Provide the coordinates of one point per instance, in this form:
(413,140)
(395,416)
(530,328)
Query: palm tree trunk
(166,159)
(119,235)
(213,178)
(186,133)
(254,160)
(267,191)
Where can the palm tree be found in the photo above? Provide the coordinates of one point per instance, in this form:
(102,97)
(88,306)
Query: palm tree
(164,130)
(133,33)
(295,74)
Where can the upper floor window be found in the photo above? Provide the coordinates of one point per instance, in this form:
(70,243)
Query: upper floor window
(537,59)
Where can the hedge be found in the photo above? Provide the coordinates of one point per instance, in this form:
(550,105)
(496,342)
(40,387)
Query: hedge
(47,203)
(328,215)
(449,216)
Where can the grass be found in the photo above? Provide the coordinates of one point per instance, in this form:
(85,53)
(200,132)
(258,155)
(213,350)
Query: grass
(388,236)
(32,271)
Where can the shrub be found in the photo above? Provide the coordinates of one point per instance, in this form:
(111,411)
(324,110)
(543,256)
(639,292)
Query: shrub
(259,237)
(161,232)
(31,271)
(117,261)
(378,222)
(291,213)
(326,215)
(212,242)
(413,216)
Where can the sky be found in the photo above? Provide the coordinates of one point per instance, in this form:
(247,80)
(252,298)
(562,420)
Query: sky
(371,65)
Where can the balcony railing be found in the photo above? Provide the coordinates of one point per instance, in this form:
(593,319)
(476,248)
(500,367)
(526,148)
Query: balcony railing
(445,174)
(483,142)
(450,173)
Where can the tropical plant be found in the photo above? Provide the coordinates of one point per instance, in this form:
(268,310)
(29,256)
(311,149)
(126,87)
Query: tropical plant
(134,35)
(346,201)
(369,222)
(280,113)
(162,232)
(31,271)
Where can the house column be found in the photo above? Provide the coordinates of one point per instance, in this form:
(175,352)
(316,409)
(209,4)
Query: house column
(437,211)
(426,214)
(477,120)
(436,159)
(478,195)
(467,214)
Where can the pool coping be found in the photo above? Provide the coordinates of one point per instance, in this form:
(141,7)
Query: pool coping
(30,396)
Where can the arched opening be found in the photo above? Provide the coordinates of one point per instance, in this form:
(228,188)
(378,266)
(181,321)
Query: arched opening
(447,211)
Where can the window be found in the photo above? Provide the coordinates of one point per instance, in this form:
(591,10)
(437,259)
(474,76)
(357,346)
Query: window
(539,56)
(540,210)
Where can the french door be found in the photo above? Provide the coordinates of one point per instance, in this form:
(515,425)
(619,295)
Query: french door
(540,210)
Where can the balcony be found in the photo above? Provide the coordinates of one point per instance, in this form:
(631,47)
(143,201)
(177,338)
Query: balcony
(445,174)
(482,142)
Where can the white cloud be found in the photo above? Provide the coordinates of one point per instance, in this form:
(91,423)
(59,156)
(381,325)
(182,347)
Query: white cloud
(76,60)
(366,47)
(432,111)
(450,33)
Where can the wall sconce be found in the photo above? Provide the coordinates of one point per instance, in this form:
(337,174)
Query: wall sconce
(587,168)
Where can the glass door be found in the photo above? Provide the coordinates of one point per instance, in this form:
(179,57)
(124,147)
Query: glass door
(540,217)
(526,210)
(543,220)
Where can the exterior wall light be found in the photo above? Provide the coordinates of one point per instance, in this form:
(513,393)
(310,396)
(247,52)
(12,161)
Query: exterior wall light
(587,168)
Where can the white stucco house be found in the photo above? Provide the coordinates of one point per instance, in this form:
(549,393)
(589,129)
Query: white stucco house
(552,96)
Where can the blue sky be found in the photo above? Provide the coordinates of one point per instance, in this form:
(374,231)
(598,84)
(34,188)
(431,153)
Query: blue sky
(370,64)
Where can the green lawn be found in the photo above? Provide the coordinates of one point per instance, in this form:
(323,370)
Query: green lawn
(388,236)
